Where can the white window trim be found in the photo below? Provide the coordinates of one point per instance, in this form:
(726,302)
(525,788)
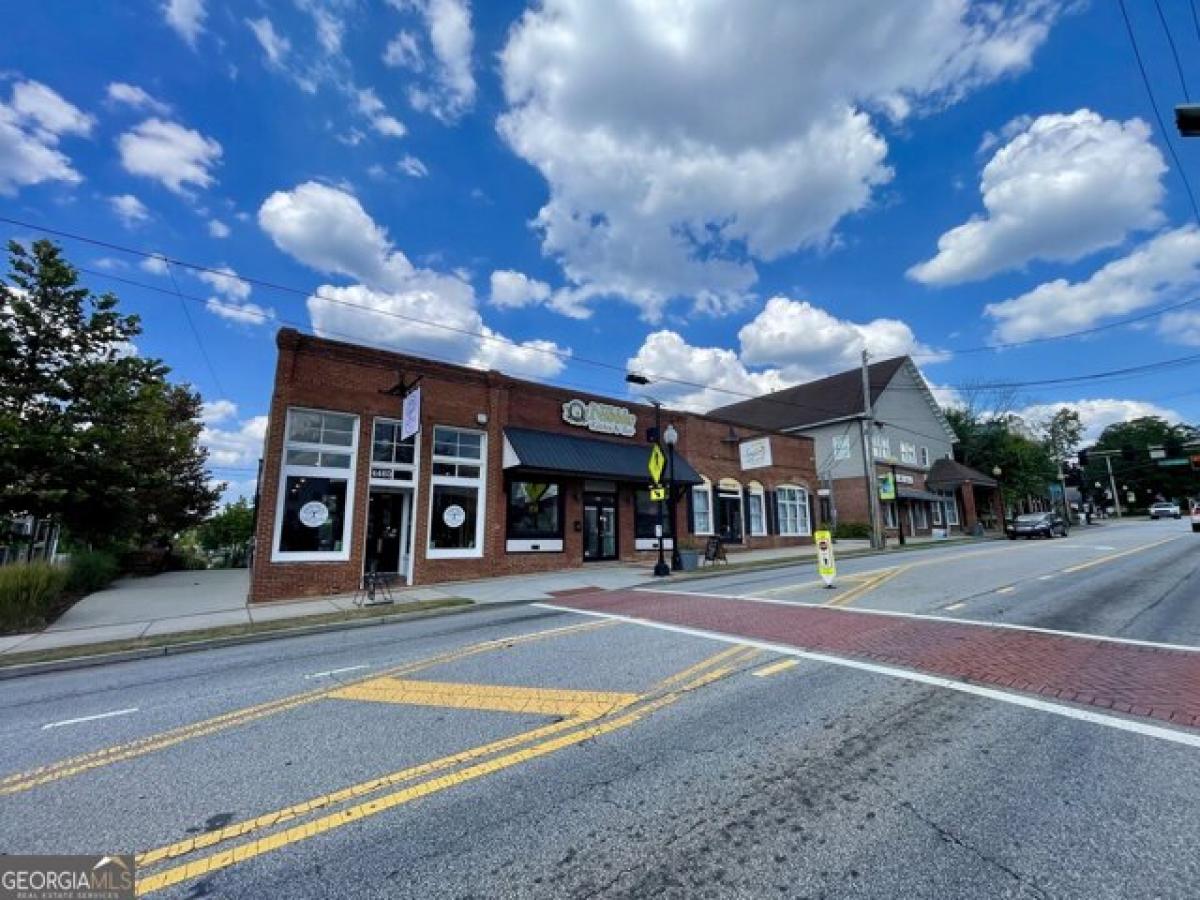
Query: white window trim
(347,475)
(704,487)
(952,507)
(890,518)
(480,483)
(881,446)
(802,502)
(924,457)
(908,452)
(761,494)
(936,510)
(413,467)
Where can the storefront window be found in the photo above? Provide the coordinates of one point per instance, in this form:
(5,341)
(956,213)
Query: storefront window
(793,511)
(645,518)
(314,515)
(455,507)
(386,447)
(534,510)
(757,509)
(316,487)
(702,509)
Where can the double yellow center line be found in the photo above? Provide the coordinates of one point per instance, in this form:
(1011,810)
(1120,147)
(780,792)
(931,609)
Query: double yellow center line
(465,766)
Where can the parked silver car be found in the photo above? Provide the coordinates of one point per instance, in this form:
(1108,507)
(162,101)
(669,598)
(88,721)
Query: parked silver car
(1165,510)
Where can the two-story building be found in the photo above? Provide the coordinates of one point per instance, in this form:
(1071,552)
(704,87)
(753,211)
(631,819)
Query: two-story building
(426,472)
(909,448)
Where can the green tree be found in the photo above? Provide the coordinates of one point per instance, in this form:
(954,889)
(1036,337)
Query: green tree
(1064,433)
(1142,475)
(1026,465)
(91,434)
(233,526)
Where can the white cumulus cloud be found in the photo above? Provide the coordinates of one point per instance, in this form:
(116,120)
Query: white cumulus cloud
(31,124)
(129,209)
(683,142)
(169,153)
(1096,414)
(512,290)
(394,304)
(186,18)
(133,96)
(274,45)
(450,88)
(1063,187)
(1158,270)
(218,229)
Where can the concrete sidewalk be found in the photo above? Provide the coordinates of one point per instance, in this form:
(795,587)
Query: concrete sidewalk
(181,602)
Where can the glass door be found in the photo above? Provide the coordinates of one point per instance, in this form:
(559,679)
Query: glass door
(599,527)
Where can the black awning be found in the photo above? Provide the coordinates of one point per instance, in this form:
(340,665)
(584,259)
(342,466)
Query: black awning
(907,493)
(548,451)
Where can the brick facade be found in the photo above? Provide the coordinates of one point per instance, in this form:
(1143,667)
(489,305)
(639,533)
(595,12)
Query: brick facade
(329,376)
(851,500)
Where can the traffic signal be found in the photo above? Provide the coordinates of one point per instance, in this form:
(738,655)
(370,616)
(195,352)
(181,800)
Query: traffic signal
(1083,459)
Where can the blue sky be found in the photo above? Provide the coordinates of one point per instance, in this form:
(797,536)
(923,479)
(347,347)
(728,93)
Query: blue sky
(738,195)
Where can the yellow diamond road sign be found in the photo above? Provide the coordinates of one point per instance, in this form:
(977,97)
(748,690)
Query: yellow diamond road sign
(657,461)
(658,493)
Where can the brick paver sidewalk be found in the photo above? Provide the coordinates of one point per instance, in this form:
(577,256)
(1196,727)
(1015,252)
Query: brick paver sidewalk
(1137,680)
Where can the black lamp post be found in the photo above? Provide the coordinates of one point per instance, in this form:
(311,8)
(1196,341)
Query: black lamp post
(997,472)
(671,437)
(896,504)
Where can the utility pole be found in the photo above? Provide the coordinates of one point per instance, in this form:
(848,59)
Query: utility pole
(1112,485)
(869,481)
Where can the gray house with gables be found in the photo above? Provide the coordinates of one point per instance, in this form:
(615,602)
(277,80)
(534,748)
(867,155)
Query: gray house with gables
(910,447)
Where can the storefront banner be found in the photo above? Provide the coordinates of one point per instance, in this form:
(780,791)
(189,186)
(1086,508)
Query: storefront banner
(410,420)
(755,454)
(887,487)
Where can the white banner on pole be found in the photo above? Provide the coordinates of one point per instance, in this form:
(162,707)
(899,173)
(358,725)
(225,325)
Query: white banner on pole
(410,420)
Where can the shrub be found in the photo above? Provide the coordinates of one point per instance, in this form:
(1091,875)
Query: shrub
(28,594)
(851,530)
(90,571)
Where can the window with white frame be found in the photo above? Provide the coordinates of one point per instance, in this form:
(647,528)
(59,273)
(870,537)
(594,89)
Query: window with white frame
(792,503)
(881,446)
(316,491)
(920,515)
(392,459)
(951,510)
(757,509)
(456,499)
(702,508)
(841,446)
(908,453)
(925,457)
(889,514)
(936,509)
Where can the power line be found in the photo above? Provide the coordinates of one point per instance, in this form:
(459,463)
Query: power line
(1174,52)
(1166,137)
(196,334)
(566,356)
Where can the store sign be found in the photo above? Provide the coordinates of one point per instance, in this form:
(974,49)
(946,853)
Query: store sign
(901,478)
(755,454)
(410,419)
(314,514)
(600,417)
(887,488)
(454,515)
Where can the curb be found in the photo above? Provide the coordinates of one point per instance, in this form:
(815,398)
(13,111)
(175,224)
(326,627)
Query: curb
(765,565)
(119,656)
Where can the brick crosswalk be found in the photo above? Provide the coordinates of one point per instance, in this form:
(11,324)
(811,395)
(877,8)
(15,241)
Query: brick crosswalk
(1152,682)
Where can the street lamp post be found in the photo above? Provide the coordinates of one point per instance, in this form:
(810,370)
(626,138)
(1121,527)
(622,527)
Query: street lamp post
(997,472)
(671,437)
(896,505)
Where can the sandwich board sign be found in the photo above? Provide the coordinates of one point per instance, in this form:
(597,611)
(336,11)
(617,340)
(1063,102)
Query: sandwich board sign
(826,566)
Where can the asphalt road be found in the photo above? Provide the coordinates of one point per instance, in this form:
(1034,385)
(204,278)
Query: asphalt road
(534,753)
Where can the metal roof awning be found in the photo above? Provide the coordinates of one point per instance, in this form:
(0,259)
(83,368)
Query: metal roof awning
(946,473)
(907,493)
(548,451)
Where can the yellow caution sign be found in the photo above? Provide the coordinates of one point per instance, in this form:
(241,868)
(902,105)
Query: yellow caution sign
(657,461)
(826,566)
(658,492)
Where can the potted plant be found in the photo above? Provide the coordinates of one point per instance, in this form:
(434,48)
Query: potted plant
(689,555)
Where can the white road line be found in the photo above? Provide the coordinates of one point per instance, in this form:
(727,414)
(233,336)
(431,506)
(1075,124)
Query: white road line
(958,605)
(1006,590)
(1069,712)
(107,715)
(336,671)
(1045,577)
(862,610)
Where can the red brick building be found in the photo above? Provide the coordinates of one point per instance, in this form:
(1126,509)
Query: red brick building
(503,476)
